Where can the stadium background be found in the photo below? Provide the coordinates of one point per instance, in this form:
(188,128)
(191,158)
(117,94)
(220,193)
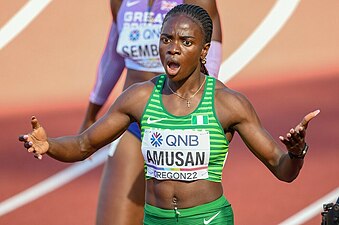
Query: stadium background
(49,68)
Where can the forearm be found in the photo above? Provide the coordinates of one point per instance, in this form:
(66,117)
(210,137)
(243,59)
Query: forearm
(288,168)
(69,149)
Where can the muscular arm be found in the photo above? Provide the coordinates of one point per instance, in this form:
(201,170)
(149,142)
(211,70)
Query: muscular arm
(126,109)
(240,115)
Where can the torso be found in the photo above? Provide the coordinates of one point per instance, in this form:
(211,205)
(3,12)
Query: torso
(201,153)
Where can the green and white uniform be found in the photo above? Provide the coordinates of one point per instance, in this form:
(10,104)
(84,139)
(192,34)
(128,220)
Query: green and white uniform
(185,148)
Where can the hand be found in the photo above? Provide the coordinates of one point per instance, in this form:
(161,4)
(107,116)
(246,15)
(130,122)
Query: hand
(295,138)
(35,142)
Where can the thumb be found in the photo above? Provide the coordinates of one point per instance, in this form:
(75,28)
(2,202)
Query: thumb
(308,118)
(35,123)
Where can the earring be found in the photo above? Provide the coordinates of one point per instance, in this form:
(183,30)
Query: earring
(203,61)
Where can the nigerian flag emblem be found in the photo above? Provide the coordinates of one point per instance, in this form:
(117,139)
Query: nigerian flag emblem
(199,119)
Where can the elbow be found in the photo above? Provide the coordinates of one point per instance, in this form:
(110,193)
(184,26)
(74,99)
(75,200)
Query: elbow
(288,178)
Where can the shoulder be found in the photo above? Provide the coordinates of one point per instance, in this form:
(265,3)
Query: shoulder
(226,94)
(133,100)
(141,89)
(231,106)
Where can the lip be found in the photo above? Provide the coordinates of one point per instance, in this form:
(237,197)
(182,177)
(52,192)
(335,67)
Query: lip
(172,67)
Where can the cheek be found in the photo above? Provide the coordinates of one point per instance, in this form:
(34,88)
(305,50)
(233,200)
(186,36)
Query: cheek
(191,57)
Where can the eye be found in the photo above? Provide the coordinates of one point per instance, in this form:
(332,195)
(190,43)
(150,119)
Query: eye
(187,43)
(165,40)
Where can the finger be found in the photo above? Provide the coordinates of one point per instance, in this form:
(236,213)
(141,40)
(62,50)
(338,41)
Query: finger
(297,136)
(28,144)
(308,118)
(23,137)
(285,141)
(35,123)
(37,156)
(31,149)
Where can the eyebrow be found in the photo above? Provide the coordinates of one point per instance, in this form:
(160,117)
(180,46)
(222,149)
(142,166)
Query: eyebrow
(181,37)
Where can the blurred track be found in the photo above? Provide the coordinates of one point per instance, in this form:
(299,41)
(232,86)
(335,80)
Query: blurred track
(48,70)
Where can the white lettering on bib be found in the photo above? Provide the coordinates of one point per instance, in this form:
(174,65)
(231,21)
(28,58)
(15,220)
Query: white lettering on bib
(176,154)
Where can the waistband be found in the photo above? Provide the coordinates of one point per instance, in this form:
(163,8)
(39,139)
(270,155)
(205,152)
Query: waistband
(205,208)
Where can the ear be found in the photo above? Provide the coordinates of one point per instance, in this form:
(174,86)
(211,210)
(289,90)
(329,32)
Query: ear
(204,51)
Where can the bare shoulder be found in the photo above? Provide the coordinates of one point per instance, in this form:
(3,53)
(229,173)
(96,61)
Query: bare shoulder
(227,95)
(231,106)
(133,100)
(142,88)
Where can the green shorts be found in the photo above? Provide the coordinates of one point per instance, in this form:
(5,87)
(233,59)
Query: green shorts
(218,212)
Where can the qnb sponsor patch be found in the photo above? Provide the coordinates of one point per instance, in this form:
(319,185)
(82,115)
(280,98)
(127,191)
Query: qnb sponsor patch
(140,44)
(176,154)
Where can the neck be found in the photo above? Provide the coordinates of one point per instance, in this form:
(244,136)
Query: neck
(190,92)
(188,86)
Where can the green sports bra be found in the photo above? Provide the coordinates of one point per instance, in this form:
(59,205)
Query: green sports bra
(185,148)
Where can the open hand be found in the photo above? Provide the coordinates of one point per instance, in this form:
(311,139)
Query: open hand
(295,138)
(36,141)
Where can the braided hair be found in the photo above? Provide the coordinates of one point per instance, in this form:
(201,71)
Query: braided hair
(200,16)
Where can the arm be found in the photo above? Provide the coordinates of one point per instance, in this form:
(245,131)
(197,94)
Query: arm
(125,109)
(109,71)
(214,56)
(245,121)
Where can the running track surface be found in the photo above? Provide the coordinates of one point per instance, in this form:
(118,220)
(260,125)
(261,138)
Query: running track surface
(48,71)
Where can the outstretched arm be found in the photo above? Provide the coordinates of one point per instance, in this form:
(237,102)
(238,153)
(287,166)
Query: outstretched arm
(245,121)
(280,162)
(125,109)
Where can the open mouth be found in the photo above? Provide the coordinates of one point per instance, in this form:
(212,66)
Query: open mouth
(173,68)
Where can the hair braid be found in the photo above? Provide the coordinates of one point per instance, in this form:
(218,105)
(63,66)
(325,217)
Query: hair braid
(201,17)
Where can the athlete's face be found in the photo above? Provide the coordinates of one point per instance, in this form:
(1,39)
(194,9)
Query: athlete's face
(181,47)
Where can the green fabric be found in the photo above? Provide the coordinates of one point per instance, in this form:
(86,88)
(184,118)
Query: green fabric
(218,212)
(203,118)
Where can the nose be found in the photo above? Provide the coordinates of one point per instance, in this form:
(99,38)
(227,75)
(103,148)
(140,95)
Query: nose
(174,48)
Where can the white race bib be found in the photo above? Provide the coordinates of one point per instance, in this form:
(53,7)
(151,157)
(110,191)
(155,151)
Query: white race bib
(176,154)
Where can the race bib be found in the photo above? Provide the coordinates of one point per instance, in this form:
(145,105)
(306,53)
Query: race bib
(176,154)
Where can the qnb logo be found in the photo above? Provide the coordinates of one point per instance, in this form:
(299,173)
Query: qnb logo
(156,139)
(134,35)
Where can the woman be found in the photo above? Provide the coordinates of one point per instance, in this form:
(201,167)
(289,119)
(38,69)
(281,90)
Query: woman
(133,44)
(187,120)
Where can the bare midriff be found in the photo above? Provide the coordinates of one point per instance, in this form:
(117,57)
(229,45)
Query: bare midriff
(169,194)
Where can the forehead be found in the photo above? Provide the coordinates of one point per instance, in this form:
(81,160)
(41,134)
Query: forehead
(181,23)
